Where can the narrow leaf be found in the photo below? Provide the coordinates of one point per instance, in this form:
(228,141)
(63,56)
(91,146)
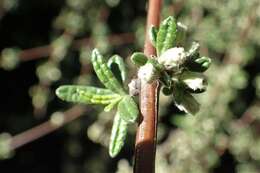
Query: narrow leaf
(86,94)
(139,59)
(112,104)
(104,74)
(193,52)
(116,59)
(166,37)
(185,101)
(153,31)
(181,33)
(118,135)
(128,109)
(200,64)
(194,61)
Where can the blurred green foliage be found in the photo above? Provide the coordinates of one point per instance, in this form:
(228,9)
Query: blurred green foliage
(229,120)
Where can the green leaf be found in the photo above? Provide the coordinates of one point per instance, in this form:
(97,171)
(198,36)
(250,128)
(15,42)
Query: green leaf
(128,109)
(139,59)
(194,61)
(104,74)
(153,31)
(166,79)
(118,135)
(200,64)
(181,34)
(193,52)
(167,34)
(185,101)
(86,94)
(116,59)
(112,104)
(204,61)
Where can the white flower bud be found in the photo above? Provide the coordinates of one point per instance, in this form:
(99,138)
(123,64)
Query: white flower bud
(134,87)
(147,73)
(172,58)
(195,81)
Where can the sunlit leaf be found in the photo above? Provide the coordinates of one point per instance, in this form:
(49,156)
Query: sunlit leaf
(86,94)
(167,34)
(112,104)
(193,52)
(181,34)
(104,74)
(118,135)
(116,59)
(127,109)
(200,64)
(139,58)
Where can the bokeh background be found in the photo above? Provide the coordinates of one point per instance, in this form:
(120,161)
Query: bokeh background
(47,43)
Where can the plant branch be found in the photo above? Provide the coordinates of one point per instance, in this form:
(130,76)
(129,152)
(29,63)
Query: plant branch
(145,147)
(45,128)
(45,51)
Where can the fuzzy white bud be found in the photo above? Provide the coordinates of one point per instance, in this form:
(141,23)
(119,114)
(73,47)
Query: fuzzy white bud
(134,87)
(147,73)
(195,81)
(172,58)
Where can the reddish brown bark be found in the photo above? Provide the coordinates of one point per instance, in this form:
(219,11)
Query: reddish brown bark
(145,147)
(45,128)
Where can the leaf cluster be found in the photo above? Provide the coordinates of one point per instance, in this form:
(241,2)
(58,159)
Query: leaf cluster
(112,95)
(179,71)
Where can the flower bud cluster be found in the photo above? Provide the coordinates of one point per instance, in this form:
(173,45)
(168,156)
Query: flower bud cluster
(179,71)
(186,78)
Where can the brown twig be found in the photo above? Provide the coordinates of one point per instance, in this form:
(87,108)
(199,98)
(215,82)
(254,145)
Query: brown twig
(45,128)
(145,147)
(45,51)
